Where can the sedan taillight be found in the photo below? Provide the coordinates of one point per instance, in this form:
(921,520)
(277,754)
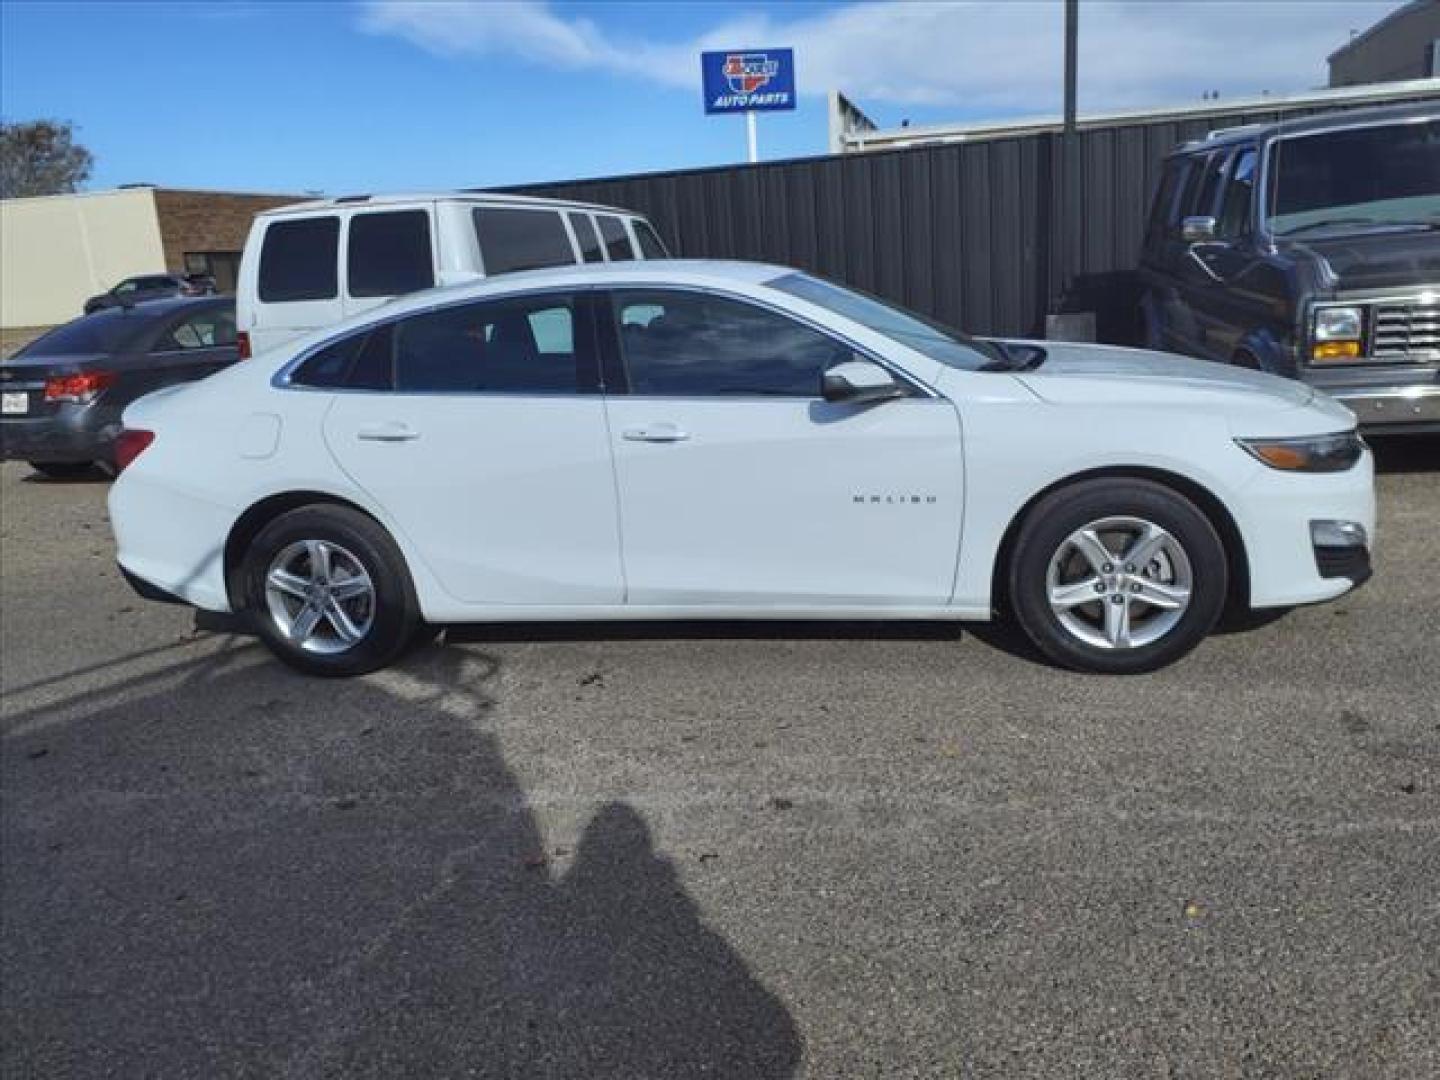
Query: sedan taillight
(129,444)
(82,387)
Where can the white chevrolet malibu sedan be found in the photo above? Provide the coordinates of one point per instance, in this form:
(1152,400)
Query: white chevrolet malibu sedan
(681,440)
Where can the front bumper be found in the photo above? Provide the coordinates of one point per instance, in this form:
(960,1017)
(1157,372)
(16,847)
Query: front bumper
(1393,408)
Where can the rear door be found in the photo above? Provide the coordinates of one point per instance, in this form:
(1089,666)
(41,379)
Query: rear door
(387,253)
(479,427)
(295,281)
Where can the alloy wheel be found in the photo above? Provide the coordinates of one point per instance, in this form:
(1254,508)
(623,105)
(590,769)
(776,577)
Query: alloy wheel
(1119,583)
(320,596)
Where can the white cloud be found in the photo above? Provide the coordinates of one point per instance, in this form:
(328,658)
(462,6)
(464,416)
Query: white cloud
(1004,57)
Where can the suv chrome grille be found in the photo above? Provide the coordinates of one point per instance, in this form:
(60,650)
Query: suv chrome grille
(1407,330)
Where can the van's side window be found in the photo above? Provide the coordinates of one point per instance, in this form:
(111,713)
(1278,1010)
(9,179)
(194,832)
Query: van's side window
(298,260)
(617,240)
(650,245)
(521,239)
(389,253)
(587,236)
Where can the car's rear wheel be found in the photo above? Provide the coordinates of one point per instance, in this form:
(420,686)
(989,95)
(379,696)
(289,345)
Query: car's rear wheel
(1117,576)
(63,470)
(329,592)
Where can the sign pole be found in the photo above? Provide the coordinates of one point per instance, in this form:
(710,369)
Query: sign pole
(750,136)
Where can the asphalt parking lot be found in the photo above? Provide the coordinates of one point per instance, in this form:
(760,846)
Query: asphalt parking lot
(851,851)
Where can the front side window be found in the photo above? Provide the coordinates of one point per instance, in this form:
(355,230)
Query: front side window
(617,240)
(1387,175)
(525,345)
(1234,219)
(298,260)
(682,344)
(203,330)
(1209,185)
(389,253)
(513,240)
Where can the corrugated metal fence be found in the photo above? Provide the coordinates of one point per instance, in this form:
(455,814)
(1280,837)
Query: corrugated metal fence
(966,232)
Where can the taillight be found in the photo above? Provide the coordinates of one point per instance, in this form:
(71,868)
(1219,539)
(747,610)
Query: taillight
(129,444)
(80,387)
(242,344)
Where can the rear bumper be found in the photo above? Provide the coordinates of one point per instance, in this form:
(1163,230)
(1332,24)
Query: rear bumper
(49,440)
(69,434)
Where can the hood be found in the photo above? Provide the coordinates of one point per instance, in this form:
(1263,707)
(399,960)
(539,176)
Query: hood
(1076,373)
(1379,259)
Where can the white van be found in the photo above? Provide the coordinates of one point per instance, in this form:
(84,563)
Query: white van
(315,263)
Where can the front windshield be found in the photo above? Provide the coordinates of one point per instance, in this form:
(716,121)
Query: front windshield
(949,347)
(1387,175)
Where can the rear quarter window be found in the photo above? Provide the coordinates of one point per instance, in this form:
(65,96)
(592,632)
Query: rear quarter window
(650,245)
(298,260)
(512,239)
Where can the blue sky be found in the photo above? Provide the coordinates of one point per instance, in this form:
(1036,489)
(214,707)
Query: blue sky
(393,94)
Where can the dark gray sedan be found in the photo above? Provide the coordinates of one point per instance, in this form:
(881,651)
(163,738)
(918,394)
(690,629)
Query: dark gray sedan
(62,395)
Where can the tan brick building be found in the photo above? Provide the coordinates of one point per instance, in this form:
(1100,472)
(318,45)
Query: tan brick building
(55,251)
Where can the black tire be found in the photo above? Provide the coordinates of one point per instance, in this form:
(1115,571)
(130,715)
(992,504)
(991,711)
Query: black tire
(63,470)
(1045,536)
(394,612)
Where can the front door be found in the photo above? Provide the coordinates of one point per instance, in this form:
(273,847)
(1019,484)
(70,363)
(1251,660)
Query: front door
(488,447)
(739,485)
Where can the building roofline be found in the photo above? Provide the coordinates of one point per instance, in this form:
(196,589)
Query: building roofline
(1377,26)
(895,138)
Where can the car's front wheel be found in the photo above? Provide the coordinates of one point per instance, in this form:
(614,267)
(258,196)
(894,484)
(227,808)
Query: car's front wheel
(329,592)
(1117,576)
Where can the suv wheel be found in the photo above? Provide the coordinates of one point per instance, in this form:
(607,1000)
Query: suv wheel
(329,592)
(1117,576)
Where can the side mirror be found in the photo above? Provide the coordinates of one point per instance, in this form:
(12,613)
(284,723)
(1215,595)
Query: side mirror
(859,382)
(1197,230)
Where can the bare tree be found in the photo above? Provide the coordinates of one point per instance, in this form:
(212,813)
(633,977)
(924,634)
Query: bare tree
(41,157)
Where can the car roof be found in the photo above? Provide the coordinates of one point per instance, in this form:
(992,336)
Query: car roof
(478,198)
(1309,125)
(651,273)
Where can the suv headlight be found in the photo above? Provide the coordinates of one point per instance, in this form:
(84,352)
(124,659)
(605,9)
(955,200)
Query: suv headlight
(1312,453)
(1336,333)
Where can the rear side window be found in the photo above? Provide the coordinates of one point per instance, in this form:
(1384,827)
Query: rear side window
(521,239)
(389,253)
(361,361)
(203,330)
(650,245)
(298,260)
(617,240)
(520,346)
(587,236)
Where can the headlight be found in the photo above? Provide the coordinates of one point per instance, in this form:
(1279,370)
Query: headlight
(1313,453)
(1337,333)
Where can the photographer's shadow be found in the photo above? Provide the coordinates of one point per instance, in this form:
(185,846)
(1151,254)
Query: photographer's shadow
(342,879)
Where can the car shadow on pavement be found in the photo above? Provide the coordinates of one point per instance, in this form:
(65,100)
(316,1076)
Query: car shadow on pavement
(217,867)
(1405,453)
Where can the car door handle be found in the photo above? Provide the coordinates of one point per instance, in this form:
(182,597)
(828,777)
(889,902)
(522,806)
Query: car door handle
(392,431)
(655,433)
